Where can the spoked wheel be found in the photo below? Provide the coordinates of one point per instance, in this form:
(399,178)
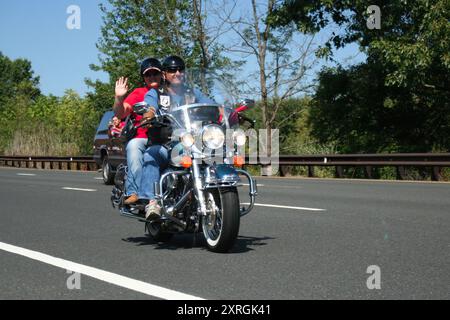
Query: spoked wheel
(221,225)
(155,231)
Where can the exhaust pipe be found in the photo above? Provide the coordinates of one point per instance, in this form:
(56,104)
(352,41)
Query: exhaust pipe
(179,223)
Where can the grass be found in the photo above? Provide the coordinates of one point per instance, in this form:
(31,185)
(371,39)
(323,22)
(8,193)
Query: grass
(40,142)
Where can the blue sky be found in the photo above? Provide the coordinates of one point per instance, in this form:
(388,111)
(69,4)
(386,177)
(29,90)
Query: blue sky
(36,30)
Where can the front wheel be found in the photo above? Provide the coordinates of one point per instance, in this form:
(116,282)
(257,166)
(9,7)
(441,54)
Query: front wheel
(221,225)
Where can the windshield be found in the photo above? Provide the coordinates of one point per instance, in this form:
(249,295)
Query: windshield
(207,99)
(194,117)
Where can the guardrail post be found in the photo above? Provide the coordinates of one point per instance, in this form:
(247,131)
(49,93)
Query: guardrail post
(436,174)
(285,171)
(73,166)
(83,166)
(339,172)
(401,173)
(92,166)
(311,171)
(368,172)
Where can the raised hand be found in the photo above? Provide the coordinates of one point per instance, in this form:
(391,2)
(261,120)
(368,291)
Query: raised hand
(121,87)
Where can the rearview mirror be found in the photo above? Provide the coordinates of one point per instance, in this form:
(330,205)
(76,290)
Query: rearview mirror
(245,104)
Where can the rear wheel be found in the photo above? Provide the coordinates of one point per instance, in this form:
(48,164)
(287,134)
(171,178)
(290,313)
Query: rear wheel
(221,226)
(107,172)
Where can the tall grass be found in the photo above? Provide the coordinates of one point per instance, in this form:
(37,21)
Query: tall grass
(40,141)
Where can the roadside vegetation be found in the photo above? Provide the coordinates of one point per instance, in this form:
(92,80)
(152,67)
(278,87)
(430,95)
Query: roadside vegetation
(395,101)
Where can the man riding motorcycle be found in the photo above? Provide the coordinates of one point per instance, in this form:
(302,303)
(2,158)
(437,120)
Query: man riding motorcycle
(156,157)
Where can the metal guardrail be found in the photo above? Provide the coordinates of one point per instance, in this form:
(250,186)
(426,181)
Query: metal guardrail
(435,161)
(85,163)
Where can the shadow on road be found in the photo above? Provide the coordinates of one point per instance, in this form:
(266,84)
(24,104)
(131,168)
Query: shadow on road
(245,244)
(189,241)
(179,241)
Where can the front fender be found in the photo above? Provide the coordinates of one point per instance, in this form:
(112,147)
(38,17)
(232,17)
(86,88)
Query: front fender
(226,174)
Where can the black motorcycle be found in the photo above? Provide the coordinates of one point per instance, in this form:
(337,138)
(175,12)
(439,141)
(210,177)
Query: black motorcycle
(199,190)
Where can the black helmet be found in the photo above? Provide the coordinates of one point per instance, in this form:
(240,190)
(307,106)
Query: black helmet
(173,62)
(150,63)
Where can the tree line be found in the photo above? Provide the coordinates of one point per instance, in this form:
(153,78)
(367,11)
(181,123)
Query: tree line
(397,100)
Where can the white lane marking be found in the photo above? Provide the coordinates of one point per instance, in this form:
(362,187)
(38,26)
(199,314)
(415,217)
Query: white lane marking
(286,207)
(26,174)
(79,189)
(258,185)
(116,279)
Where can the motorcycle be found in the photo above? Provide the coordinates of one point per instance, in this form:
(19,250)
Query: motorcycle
(198,192)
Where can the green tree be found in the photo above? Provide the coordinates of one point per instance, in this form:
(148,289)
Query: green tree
(17,78)
(53,126)
(399,99)
(18,89)
(283,59)
(133,30)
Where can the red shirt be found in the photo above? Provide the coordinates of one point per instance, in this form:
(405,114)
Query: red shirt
(137,95)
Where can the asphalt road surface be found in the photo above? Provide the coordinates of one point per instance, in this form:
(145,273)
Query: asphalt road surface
(306,239)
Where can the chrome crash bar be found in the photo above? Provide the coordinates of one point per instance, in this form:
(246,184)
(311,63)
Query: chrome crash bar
(253,192)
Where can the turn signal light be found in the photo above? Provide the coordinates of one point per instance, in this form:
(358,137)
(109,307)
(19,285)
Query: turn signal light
(238,161)
(186,162)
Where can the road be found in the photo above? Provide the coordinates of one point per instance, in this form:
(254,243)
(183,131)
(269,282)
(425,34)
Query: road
(306,239)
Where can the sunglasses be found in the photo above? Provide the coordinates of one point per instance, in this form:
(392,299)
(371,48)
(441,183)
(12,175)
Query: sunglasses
(152,73)
(174,70)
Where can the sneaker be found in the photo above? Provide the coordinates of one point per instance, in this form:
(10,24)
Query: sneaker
(152,210)
(132,199)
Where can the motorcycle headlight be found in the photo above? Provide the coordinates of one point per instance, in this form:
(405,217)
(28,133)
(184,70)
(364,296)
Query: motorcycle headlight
(239,137)
(187,140)
(213,136)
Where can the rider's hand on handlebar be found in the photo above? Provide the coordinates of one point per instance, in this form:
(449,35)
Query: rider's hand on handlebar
(147,117)
(150,114)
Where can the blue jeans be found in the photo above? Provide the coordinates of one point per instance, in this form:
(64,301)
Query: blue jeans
(135,160)
(156,160)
